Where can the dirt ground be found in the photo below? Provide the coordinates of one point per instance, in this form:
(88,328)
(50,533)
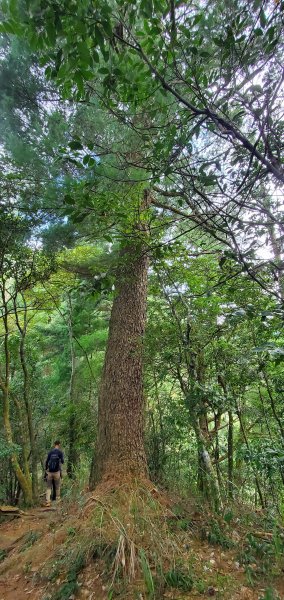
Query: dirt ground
(15,574)
(28,541)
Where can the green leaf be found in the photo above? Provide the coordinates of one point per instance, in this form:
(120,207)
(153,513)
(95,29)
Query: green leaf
(87,75)
(78,217)
(51,32)
(106,24)
(75,145)
(218,41)
(84,52)
(95,55)
(104,71)
(99,38)
(197,18)
(271,33)
(68,199)
(147,8)
(9,27)
(262,18)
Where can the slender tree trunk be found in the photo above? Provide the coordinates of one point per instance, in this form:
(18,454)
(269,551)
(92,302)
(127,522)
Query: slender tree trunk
(26,396)
(207,469)
(207,479)
(230,455)
(273,407)
(23,479)
(277,249)
(211,478)
(264,413)
(120,445)
(217,456)
(72,454)
(257,482)
(161,426)
(24,434)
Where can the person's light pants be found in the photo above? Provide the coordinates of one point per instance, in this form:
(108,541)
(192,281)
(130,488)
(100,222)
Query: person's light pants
(56,478)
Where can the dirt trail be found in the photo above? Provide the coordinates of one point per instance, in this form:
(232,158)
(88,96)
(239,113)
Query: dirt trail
(17,535)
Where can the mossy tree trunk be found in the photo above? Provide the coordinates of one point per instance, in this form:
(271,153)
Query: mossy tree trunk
(22,475)
(22,328)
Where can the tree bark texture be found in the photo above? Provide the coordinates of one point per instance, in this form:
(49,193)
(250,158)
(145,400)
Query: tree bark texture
(120,446)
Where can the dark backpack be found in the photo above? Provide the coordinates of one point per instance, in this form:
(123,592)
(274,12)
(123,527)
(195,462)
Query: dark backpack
(53,463)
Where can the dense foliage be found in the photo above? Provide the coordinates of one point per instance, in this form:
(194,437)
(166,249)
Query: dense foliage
(103,104)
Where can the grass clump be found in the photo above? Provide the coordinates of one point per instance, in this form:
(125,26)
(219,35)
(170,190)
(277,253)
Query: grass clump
(124,533)
(143,544)
(262,556)
(29,540)
(65,591)
(215,535)
(69,587)
(179,578)
(147,574)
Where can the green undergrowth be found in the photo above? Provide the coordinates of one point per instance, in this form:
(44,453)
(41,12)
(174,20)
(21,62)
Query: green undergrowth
(217,534)
(255,537)
(262,557)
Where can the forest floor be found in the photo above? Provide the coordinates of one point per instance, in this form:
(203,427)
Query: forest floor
(234,558)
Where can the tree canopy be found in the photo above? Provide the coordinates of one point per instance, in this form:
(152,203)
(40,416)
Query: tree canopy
(142,176)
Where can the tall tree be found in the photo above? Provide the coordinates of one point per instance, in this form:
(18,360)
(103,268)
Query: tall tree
(145,63)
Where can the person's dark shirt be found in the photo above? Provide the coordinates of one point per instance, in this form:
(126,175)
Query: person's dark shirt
(60,456)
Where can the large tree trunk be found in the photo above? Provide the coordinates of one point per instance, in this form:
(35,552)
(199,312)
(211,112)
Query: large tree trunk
(120,445)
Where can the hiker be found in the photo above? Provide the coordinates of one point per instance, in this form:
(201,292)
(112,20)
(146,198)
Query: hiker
(53,464)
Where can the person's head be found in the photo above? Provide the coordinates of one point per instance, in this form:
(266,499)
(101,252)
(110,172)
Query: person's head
(57,444)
